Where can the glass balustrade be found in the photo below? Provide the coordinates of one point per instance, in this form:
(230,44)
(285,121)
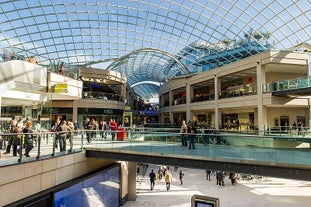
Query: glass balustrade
(290,84)
(289,147)
(102,96)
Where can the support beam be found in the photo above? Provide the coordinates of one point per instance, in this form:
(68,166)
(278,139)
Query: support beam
(297,172)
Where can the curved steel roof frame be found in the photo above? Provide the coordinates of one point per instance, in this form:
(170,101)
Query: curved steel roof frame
(147,50)
(83,32)
(145,66)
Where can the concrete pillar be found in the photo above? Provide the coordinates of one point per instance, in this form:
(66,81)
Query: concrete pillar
(309,115)
(188,103)
(0,104)
(170,97)
(262,111)
(74,111)
(123,91)
(132,167)
(217,89)
(170,94)
(218,115)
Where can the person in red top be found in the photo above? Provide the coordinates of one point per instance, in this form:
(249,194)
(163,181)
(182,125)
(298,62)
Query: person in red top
(113,127)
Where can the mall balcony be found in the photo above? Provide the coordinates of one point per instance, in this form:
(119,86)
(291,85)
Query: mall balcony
(33,83)
(238,90)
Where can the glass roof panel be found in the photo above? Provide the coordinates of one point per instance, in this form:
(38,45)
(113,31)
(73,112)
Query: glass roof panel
(185,36)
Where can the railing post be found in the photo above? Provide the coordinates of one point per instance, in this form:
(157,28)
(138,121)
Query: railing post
(82,133)
(54,140)
(39,146)
(47,138)
(20,150)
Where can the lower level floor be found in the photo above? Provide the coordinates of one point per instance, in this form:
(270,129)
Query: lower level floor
(255,191)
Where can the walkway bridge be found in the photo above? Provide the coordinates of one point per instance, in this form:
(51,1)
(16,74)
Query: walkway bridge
(276,155)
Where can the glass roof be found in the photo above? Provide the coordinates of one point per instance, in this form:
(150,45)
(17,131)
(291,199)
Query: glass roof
(152,41)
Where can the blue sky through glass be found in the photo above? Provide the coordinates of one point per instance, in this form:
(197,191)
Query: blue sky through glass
(84,31)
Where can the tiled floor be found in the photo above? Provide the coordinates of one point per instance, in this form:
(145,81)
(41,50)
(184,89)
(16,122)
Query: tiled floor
(269,192)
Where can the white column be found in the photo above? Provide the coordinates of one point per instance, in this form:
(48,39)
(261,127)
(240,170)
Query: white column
(132,181)
(0,104)
(309,115)
(262,111)
(123,91)
(217,88)
(74,110)
(170,105)
(189,95)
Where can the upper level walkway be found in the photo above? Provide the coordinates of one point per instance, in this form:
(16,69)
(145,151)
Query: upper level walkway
(286,156)
(297,87)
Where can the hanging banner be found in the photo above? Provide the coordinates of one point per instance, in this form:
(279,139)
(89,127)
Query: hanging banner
(309,65)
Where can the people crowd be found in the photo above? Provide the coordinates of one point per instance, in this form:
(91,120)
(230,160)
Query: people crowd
(92,127)
(188,132)
(21,136)
(167,178)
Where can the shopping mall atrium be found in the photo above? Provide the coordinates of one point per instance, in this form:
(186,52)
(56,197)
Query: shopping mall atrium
(239,71)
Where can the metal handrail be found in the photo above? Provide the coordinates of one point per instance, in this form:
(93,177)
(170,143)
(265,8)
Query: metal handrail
(45,145)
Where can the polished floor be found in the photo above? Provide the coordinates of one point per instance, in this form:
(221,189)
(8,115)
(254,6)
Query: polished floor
(266,192)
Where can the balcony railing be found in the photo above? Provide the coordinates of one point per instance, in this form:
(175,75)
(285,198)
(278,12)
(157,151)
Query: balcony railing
(239,90)
(103,96)
(203,97)
(289,84)
(166,103)
(179,101)
(153,139)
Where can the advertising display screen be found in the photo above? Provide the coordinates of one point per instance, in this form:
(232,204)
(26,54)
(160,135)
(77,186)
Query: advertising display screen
(100,190)
(204,201)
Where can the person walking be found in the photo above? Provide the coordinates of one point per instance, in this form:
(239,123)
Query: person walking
(88,127)
(11,136)
(17,141)
(29,136)
(62,133)
(70,134)
(160,173)
(300,127)
(208,174)
(76,127)
(183,131)
(101,128)
(152,177)
(192,131)
(168,179)
(53,128)
(181,176)
(113,128)
(220,178)
(232,178)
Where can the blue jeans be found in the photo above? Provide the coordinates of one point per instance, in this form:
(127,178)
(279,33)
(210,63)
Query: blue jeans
(191,143)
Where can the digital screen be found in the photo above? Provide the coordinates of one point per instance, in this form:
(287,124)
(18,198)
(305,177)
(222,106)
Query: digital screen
(204,201)
(102,189)
(200,204)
